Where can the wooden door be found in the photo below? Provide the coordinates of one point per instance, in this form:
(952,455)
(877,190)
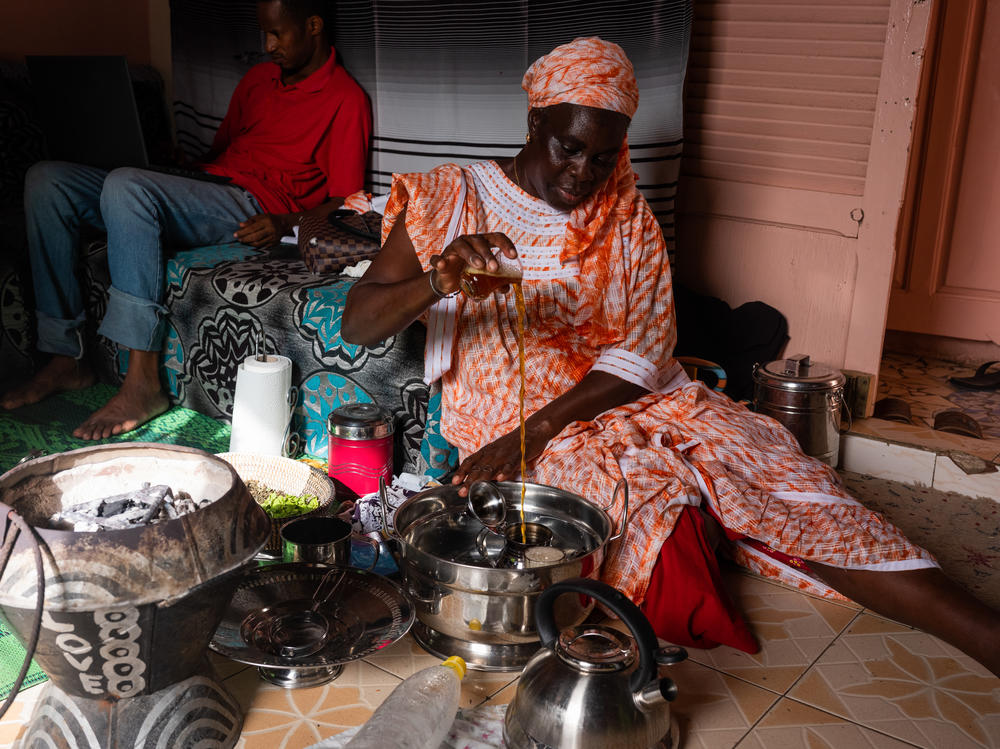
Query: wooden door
(947,274)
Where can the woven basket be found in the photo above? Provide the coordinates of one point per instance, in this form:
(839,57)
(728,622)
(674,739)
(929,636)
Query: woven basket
(290,477)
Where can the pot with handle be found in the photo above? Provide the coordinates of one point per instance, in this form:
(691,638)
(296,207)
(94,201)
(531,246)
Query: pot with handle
(592,686)
(471,604)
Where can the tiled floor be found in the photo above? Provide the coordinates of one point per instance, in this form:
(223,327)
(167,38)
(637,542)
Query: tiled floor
(828,675)
(923,383)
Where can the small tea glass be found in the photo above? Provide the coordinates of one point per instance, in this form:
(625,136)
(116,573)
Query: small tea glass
(479,283)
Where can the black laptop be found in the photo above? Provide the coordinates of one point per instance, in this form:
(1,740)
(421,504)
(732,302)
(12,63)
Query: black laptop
(87,110)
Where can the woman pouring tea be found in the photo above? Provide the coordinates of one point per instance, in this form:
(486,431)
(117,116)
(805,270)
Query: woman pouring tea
(605,399)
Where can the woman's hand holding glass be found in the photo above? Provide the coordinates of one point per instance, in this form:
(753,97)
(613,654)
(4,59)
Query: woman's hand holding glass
(473,252)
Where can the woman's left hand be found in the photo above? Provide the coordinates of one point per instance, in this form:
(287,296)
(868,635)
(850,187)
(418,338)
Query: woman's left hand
(500,460)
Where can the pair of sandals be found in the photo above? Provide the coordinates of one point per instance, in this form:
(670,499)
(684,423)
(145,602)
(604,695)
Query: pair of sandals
(983,379)
(951,420)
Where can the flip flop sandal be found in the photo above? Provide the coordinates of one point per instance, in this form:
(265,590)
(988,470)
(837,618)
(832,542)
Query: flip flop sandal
(893,409)
(957,422)
(983,379)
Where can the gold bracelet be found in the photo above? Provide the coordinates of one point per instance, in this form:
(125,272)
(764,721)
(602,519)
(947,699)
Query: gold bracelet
(437,292)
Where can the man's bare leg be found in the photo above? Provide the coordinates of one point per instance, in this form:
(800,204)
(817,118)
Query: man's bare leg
(59,374)
(140,399)
(926,599)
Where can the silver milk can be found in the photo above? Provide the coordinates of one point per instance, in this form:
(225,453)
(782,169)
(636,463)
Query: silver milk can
(806,397)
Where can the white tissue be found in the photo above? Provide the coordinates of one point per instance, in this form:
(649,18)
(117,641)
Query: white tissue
(262,406)
(357,270)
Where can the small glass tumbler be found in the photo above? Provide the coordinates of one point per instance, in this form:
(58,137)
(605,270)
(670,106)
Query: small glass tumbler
(479,283)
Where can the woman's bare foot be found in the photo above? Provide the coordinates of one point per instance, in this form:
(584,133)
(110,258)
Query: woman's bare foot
(140,399)
(59,374)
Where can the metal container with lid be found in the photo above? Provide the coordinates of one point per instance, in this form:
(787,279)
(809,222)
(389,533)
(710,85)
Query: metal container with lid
(484,612)
(807,398)
(360,446)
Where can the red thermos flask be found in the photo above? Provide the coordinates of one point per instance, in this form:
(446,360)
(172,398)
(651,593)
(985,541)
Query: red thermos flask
(360,446)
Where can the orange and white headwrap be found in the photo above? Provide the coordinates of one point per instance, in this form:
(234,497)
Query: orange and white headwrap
(588,71)
(592,72)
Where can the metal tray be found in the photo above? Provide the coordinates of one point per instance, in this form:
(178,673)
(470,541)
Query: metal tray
(366,613)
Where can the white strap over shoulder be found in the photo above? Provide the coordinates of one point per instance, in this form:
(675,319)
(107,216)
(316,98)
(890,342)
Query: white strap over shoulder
(443,314)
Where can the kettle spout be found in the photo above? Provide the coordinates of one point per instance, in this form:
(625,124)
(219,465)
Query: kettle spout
(655,694)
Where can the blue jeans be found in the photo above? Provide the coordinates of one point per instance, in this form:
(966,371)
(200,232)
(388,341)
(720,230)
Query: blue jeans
(142,212)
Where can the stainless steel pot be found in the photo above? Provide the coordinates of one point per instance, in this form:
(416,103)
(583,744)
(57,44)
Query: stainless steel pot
(466,606)
(807,398)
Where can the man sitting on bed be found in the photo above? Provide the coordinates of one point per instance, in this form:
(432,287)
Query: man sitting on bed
(296,134)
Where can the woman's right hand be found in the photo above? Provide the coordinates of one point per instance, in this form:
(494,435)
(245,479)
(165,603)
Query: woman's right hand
(477,250)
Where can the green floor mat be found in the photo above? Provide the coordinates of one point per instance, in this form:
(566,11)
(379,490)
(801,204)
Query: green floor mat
(11,659)
(48,426)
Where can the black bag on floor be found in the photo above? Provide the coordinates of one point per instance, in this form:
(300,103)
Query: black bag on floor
(736,339)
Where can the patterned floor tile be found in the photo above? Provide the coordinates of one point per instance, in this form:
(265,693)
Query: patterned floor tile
(406,657)
(923,383)
(505,696)
(792,628)
(13,722)
(479,687)
(906,684)
(713,710)
(277,718)
(792,725)
(403,657)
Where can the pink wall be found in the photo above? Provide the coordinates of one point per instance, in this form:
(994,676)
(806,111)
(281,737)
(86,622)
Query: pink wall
(823,258)
(75,27)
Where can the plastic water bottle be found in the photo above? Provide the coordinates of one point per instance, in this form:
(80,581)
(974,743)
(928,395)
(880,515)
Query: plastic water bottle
(417,713)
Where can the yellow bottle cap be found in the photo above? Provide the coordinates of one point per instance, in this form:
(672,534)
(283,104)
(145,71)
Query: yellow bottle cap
(456,664)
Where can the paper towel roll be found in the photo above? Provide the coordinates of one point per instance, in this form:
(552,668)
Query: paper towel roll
(262,405)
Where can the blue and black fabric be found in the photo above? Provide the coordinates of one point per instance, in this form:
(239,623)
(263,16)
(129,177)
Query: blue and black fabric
(224,299)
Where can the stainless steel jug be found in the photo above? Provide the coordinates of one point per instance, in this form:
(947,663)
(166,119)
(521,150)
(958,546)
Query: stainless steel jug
(593,686)
(807,398)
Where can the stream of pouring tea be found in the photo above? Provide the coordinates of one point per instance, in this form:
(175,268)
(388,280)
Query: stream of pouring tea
(521,314)
(478,283)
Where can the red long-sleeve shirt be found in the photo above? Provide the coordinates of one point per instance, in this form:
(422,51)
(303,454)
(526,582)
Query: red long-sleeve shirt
(294,146)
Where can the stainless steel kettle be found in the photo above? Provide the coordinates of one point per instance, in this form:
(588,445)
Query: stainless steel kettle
(592,686)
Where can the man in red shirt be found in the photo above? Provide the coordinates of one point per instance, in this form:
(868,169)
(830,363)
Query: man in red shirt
(296,135)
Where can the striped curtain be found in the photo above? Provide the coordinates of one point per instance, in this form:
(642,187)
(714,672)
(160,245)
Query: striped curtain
(444,76)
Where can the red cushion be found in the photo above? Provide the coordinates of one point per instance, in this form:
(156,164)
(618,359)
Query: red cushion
(686,602)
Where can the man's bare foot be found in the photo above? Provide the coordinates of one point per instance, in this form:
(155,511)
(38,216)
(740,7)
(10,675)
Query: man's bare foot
(59,374)
(130,407)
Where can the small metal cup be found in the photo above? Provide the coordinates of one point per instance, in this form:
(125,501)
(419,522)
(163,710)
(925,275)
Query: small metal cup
(322,540)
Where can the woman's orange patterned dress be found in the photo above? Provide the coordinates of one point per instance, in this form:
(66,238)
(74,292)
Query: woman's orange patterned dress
(682,444)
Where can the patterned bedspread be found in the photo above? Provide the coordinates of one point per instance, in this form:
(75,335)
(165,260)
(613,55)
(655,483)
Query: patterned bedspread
(225,299)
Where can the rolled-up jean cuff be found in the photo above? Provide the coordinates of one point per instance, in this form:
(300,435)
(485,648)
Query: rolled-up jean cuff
(133,322)
(63,337)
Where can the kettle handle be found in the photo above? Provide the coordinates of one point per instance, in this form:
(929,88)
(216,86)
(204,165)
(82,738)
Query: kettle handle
(619,604)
